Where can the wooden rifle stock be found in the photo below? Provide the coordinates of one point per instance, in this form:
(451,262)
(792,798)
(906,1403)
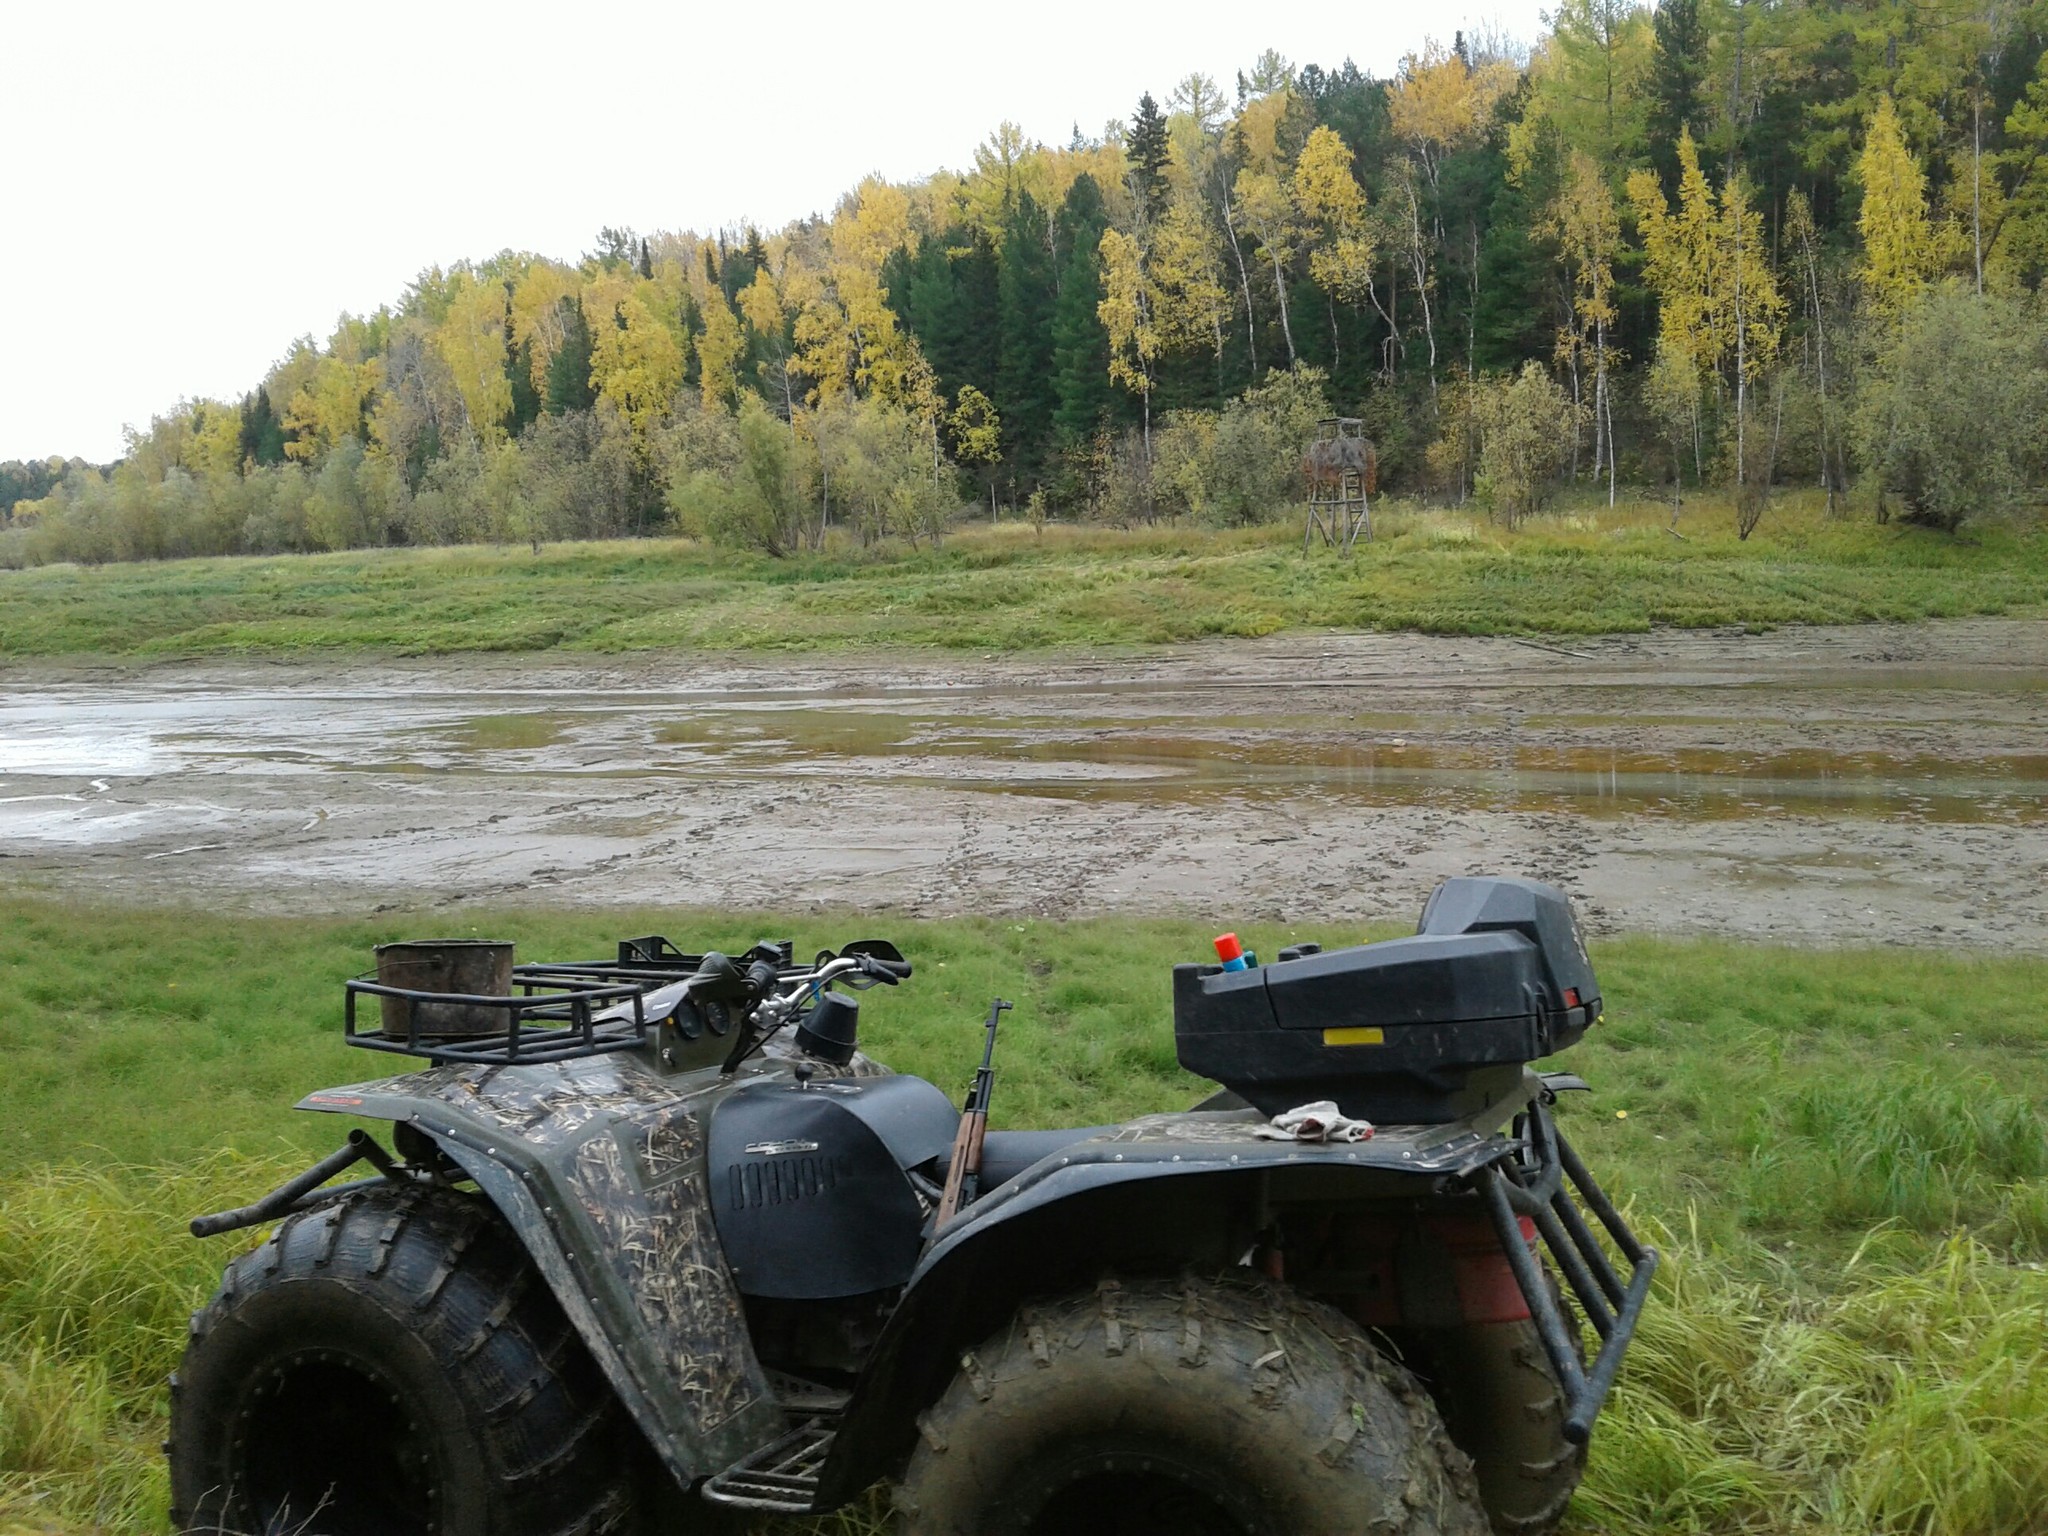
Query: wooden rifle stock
(966,1151)
(963,1172)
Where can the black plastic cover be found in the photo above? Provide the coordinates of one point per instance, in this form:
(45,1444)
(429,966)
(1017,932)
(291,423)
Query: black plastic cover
(831,1030)
(1409,1030)
(808,1186)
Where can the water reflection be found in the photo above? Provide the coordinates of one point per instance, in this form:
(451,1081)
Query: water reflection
(1124,743)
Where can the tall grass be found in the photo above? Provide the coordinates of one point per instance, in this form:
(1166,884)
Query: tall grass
(1847,1148)
(97,1281)
(1906,1392)
(1008,588)
(1916,1149)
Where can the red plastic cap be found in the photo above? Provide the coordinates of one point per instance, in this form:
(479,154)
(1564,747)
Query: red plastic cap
(1227,947)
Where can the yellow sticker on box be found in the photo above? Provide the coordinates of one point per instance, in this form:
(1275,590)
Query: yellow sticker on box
(1354,1037)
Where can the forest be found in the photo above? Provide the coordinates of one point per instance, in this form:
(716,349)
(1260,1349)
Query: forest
(1715,246)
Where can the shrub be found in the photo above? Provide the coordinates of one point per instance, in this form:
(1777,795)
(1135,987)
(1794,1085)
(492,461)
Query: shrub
(759,499)
(1240,466)
(1524,426)
(1951,422)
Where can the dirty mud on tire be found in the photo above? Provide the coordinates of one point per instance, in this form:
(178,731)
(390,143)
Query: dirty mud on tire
(1880,783)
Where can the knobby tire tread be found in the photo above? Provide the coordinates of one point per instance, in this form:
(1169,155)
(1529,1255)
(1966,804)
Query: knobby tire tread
(548,1432)
(1380,1463)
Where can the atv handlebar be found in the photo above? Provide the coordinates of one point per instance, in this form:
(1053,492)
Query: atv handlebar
(779,996)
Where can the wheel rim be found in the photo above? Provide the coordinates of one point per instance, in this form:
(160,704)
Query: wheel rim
(1121,1492)
(327,1448)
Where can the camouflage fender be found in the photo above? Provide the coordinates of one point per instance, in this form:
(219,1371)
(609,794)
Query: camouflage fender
(982,1265)
(598,1165)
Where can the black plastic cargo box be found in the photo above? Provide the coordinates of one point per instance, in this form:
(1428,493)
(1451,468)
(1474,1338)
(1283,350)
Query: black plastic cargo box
(1408,1031)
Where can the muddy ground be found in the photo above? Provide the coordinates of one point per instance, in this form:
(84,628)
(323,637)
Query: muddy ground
(1837,785)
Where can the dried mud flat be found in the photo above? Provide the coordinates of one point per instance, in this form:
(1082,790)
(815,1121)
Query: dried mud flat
(1879,783)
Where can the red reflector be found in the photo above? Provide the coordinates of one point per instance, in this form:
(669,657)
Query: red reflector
(1571,997)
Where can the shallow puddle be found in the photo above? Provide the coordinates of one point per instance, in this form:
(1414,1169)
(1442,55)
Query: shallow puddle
(522,732)
(1199,758)
(1152,752)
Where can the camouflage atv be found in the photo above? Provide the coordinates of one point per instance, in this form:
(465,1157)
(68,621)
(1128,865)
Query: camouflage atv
(653,1240)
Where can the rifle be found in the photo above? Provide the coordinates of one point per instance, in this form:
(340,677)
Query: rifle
(963,1173)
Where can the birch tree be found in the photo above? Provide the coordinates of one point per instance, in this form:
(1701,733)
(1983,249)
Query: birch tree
(1719,309)
(1333,206)
(1588,231)
(1126,313)
(1262,199)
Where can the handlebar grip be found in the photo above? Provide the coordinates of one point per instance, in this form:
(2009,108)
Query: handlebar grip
(890,971)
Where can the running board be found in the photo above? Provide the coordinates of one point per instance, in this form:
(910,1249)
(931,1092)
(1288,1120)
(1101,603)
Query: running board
(782,1477)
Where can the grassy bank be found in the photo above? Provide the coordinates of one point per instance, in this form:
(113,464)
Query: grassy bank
(1846,1152)
(1007,588)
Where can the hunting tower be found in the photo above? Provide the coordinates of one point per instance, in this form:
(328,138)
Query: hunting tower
(1342,471)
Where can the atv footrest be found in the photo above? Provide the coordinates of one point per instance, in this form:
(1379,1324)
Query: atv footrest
(782,1476)
(1539,1183)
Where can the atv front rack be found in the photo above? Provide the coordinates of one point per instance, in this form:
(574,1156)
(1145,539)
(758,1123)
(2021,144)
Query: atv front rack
(562,1011)
(557,1016)
(1538,1181)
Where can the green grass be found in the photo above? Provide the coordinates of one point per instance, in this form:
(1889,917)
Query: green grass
(1844,1152)
(1007,589)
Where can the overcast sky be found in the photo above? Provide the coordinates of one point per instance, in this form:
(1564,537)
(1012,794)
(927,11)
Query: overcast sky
(185,188)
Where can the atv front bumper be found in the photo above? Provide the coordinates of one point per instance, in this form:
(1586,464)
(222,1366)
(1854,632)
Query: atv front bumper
(1537,1180)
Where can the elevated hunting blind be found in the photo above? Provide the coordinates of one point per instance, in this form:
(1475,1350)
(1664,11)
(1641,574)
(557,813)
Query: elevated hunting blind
(1342,473)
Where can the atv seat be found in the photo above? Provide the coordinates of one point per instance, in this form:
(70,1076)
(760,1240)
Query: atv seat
(1005,1154)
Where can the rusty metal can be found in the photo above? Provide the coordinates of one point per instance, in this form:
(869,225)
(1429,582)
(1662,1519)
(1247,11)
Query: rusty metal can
(462,967)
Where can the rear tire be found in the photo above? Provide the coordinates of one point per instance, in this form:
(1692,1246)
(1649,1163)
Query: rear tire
(1501,1401)
(392,1365)
(1229,1407)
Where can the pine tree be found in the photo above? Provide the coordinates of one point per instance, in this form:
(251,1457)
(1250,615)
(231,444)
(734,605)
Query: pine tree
(262,441)
(615,248)
(1898,242)
(1350,101)
(977,286)
(568,381)
(1513,311)
(1025,395)
(741,263)
(947,297)
(1146,150)
(1080,346)
(526,400)
(1677,74)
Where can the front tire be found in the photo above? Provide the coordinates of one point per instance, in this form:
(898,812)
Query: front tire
(391,1365)
(1196,1408)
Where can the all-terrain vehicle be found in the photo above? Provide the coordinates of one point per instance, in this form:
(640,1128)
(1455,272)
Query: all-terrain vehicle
(653,1240)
